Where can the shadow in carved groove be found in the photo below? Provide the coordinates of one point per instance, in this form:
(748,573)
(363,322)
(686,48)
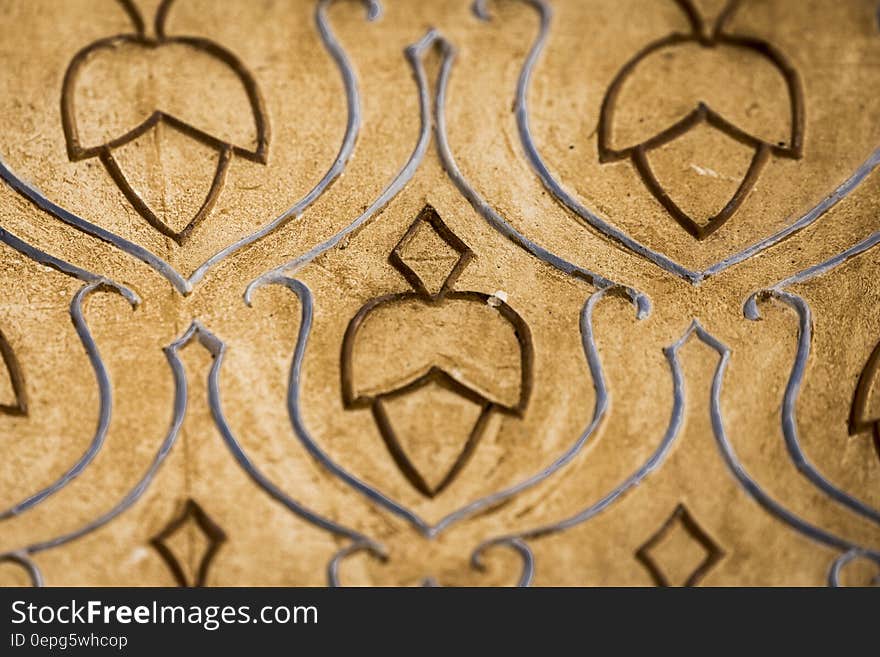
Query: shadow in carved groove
(565,197)
(425,296)
(214,535)
(434,108)
(184,284)
(707,36)
(860,418)
(16,380)
(680,517)
(104,152)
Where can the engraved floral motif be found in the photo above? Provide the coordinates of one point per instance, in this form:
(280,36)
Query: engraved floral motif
(112,68)
(710,38)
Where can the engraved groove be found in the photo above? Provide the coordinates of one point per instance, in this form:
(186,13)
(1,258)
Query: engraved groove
(105,397)
(736,468)
(567,199)
(184,285)
(19,405)
(681,515)
(192,512)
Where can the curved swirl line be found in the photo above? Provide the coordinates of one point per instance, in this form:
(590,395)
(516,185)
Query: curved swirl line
(567,199)
(105,397)
(28,564)
(488,213)
(649,466)
(333,580)
(65,267)
(527,573)
(183,284)
(843,560)
(789,403)
(517,545)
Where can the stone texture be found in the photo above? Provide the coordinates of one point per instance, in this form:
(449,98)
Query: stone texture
(527,370)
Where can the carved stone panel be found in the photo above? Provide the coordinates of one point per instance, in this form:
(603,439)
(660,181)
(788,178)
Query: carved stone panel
(493,292)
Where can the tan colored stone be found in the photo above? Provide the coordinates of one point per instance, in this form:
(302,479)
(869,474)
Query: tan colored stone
(508,332)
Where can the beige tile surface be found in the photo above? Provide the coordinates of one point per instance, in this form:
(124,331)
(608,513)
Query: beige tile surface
(620,346)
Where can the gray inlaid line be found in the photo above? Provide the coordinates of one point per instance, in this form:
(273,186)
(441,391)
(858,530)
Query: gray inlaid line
(727,452)
(827,265)
(842,191)
(217,349)
(649,466)
(403,176)
(567,199)
(524,552)
(789,404)
(64,267)
(105,398)
(333,580)
(185,285)
(487,212)
(527,572)
(28,564)
(844,559)
(36,197)
(304,295)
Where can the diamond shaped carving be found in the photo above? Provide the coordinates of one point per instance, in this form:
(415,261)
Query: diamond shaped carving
(430,256)
(213,535)
(680,542)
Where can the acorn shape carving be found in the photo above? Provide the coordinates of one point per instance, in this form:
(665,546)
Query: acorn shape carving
(165,115)
(700,114)
(434,364)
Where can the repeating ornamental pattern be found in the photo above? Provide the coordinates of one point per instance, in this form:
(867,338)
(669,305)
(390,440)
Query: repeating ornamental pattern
(570,292)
